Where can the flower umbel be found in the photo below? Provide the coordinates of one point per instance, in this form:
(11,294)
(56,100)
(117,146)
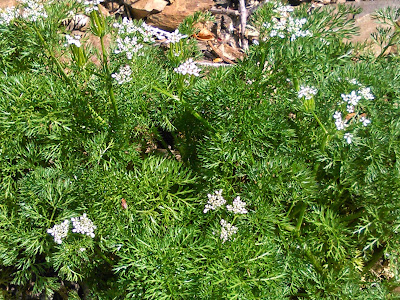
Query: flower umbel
(214,201)
(366,94)
(351,98)
(59,231)
(91,5)
(175,37)
(238,207)
(83,225)
(348,137)
(188,67)
(130,46)
(124,74)
(227,231)
(73,40)
(307,92)
(365,121)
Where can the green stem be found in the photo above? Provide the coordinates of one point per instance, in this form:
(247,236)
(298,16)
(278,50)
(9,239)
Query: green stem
(300,219)
(109,83)
(376,256)
(62,72)
(55,60)
(314,261)
(320,123)
(391,42)
(188,106)
(354,216)
(101,254)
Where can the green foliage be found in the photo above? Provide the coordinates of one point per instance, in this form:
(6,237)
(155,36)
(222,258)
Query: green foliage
(142,157)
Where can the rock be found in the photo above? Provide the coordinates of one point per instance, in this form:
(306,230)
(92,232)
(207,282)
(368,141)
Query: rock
(230,52)
(77,22)
(7,3)
(367,24)
(172,15)
(142,8)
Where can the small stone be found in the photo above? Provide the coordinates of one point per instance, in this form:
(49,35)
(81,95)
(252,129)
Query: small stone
(143,8)
(172,15)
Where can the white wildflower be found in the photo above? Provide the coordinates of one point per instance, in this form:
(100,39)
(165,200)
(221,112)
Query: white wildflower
(366,93)
(175,37)
(126,27)
(351,98)
(145,32)
(32,10)
(73,40)
(188,67)
(283,10)
(227,231)
(365,121)
(238,207)
(350,109)
(214,201)
(83,225)
(124,75)
(307,92)
(354,81)
(337,115)
(339,123)
(130,46)
(91,5)
(7,15)
(287,27)
(348,137)
(59,231)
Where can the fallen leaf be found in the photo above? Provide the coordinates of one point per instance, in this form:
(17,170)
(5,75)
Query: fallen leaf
(349,116)
(124,204)
(204,35)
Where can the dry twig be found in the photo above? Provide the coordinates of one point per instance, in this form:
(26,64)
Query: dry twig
(243,20)
(219,53)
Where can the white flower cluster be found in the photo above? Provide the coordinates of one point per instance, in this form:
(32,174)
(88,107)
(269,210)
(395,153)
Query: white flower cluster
(354,81)
(188,67)
(238,206)
(127,27)
(31,10)
(214,201)
(307,92)
(59,231)
(91,5)
(348,136)
(283,10)
(365,121)
(227,231)
(287,27)
(7,15)
(351,100)
(128,45)
(147,32)
(339,123)
(366,93)
(83,225)
(75,40)
(175,37)
(124,74)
